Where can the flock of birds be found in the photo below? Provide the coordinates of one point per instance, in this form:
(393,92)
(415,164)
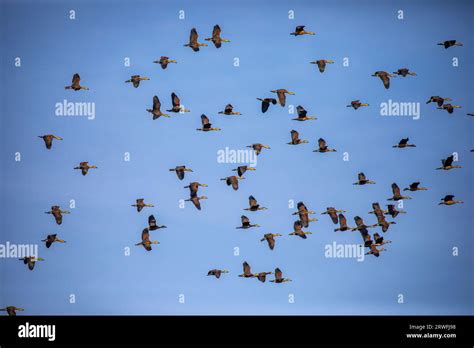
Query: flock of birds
(374,244)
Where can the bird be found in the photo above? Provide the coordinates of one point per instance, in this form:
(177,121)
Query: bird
(414,187)
(281,93)
(403,143)
(48,140)
(233,180)
(247,271)
(146,242)
(51,238)
(164,61)
(343,224)
(206,126)
(360,225)
(177,107)
(216,37)
(295,139)
(228,110)
(404,72)
(135,80)
(193,188)
(253,205)
(57,213)
(378,239)
(298,230)
(266,103)
(356,104)
(449,200)
(193,43)
(303,214)
(180,171)
(217,272)
(385,77)
(258,147)
(332,212)
(450,43)
(323,147)
(84,167)
(362,180)
(448,163)
(270,238)
(381,218)
(374,251)
(470,114)
(392,211)
(152,225)
(75,85)
(322,64)
(396,194)
(279,277)
(11,310)
(31,261)
(242,169)
(299,30)
(156,112)
(196,201)
(246,223)
(449,107)
(140,204)
(302,114)
(438,100)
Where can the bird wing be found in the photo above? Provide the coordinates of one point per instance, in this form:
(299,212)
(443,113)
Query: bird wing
(152,223)
(265,105)
(235,182)
(448,198)
(448,161)
(246,268)
(361,177)
(193,37)
(414,185)
(216,32)
(281,97)
(358,220)
(252,201)
(245,220)
(204,120)
(271,242)
(228,108)
(278,274)
(196,202)
(76,79)
(321,65)
(322,144)
(175,100)
(294,136)
(145,235)
(297,226)
(403,141)
(156,103)
(395,189)
(342,220)
(301,111)
(48,141)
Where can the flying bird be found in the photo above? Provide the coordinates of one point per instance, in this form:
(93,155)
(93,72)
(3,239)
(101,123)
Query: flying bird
(360,225)
(332,212)
(196,201)
(322,64)
(258,147)
(48,140)
(403,143)
(57,213)
(303,114)
(253,205)
(180,171)
(449,200)
(75,85)
(295,138)
(281,93)
(246,223)
(415,187)
(438,100)
(152,225)
(356,104)
(229,110)
(177,107)
(298,230)
(247,271)
(343,224)
(396,194)
(135,80)
(303,214)
(193,41)
(450,43)
(217,272)
(322,146)
(374,251)
(140,204)
(156,112)
(146,242)
(270,238)
(379,240)
(233,180)
(193,188)
(299,30)
(206,125)
(448,163)
(381,218)
(31,261)
(404,72)
(242,169)
(362,180)
(51,238)
(11,310)
(385,77)
(164,61)
(266,103)
(216,37)
(84,167)
(279,277)
(449,107)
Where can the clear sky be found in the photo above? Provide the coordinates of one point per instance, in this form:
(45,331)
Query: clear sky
(418,264)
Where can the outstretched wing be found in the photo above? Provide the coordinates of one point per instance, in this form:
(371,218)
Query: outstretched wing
(252,201)
(322,144)
(301,111)
(216,32)
(193,37)
(204,120)
(294,136)
(278,274)
(395,190)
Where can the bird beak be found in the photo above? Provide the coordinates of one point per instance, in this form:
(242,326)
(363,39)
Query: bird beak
(291,93)
(251,168)
(330,61)
(204,185)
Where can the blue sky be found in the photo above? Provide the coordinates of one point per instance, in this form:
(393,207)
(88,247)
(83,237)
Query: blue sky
(92,266)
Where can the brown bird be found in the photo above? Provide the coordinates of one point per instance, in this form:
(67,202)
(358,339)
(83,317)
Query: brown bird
(180,171)
(76,79)
(378,240)
(48,139)
(196,201)
(164,61)
(193,43)
(356,104)
(140,204)
(343,224)
(381,218)
(448,163)
(361,225)
(156,112)
(396,194)
(246,223)
(449,200)
(414,187)
(216,37)
(228,110)
(193,188)
(206,125)
(403,143)
(322,64)
(247,271)
(253,205)
(57,213)
(404,72)
(385,77)
(449,107)
(84,167)
(450,43)
(146,242)
(233,180)
(374,251)
(31,261)
(323,146)
(266,103)
(177,107)
(281,93)
(303,214)
(392,211)
(298,230)
(217,272)
(11,310)
(152,225)
(135,80)
(295,139)
(438,100)
(302,114)
(270,238)
(332,212)
(258,147)
(299,30)
(51,238)
(279,277)
(362,180)
(242,169)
